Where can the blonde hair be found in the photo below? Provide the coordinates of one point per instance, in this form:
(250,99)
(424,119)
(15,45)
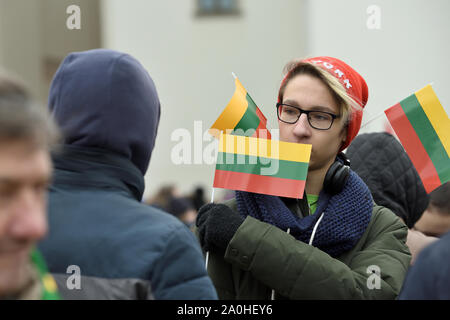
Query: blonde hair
(344,100)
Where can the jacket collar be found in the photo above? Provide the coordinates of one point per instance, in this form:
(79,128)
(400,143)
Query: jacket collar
(97,168)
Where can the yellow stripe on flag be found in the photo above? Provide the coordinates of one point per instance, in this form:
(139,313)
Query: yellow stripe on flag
(265,148)
(233,112)
(49,283)
(436,114)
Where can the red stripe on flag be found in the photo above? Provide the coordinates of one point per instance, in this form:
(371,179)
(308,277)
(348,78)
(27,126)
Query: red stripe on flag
(261,116)
(259,184)
(414,147)
(262,125)
(262,134)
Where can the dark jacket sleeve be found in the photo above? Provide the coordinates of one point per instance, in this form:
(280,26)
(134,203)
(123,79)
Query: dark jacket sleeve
(179,273)
(299,271)
(429,277)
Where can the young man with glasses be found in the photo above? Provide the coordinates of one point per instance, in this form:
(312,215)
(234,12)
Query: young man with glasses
(335,243)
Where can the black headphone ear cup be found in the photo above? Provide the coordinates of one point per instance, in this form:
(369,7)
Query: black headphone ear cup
(336,178)
(344,158)
(329,177)
(340,178)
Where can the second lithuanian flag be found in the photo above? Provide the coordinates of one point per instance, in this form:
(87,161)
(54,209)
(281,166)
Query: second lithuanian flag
(262,166)
(423,128)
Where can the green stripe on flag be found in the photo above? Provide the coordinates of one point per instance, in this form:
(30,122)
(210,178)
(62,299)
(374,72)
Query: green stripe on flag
(251,103)
(427,136)
(250,119)
(273,167)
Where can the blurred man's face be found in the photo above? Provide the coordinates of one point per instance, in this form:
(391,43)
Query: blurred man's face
(433,222)
(24,178)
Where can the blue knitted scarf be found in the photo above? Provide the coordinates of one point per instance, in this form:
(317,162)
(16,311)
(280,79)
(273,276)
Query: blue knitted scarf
(345,216)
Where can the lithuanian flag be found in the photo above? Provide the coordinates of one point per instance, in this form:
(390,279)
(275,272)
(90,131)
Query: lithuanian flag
(241,116)
(262,166)
(423,128)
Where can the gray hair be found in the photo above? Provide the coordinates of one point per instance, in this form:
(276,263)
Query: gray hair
(21,119)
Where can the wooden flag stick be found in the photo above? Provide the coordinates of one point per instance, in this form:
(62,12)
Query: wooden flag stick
(207,252)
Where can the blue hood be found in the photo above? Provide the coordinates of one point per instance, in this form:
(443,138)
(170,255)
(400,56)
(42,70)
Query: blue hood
(106,99)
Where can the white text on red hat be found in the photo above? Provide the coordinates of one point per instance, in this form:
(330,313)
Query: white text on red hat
(340,74)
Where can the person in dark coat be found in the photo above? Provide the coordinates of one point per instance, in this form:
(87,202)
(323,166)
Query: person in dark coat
(104,243)
(429,277)
(380,160)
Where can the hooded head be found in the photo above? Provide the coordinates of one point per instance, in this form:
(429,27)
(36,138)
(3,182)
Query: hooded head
(106,99)
(380,160)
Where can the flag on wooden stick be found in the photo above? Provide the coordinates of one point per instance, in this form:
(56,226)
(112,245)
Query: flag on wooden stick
(241,116)
(423,128)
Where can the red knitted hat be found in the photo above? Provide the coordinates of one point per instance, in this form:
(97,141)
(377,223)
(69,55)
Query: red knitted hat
(353,83)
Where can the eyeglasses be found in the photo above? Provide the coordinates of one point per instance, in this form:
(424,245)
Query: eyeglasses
(319,120)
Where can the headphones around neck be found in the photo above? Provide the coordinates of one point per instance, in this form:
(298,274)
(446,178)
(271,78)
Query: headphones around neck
(337,175)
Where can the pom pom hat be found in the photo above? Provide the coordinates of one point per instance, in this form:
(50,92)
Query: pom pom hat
(353,83)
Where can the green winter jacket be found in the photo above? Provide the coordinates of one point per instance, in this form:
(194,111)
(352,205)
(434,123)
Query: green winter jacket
(262,257)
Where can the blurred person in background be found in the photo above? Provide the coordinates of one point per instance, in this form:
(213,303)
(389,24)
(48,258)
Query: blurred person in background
(435,221)
(380,160)
(108,109)
(429,277)
(183,209)
(198,197)
(163,195)
(26,136)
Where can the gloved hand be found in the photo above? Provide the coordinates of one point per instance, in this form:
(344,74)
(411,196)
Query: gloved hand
(216,225)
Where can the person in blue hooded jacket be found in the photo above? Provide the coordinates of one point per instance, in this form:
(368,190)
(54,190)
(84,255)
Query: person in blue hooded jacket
(103,242)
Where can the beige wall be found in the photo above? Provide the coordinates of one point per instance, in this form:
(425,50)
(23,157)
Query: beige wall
(411,49)
(59,40)
(20,44)
(191,61)
(34,38)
